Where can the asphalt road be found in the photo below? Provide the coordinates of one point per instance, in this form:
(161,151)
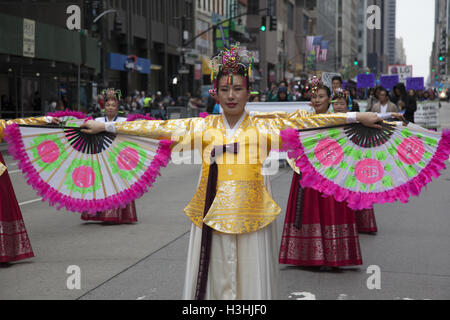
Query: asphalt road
(147,260)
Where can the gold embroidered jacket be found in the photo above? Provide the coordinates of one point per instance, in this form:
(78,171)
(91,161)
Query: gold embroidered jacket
(242,203)
(31,121)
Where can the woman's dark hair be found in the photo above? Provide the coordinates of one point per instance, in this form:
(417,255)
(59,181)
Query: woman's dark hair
(327,90)
(338,78)
(384,90)
(401,88)
(241,72)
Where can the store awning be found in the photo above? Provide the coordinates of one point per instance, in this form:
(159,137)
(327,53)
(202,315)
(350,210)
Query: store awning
(206,69)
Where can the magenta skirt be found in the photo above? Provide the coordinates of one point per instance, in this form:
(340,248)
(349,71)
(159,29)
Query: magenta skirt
(116,216)
(318,231)
(14,242)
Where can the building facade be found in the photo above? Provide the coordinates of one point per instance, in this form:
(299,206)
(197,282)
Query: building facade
(400,54)
(41,61)
(347,33)
(439,66)
(134,47)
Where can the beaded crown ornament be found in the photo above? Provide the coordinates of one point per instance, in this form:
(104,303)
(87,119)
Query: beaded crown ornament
(315,84)
(112,93)
(338,94)
(229,62)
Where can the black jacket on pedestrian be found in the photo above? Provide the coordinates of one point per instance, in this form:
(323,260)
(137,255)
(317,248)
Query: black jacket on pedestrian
(410,106)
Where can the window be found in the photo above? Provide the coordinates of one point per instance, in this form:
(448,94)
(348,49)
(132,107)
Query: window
(290,16)
(273,8)
(253,7)
(305,24)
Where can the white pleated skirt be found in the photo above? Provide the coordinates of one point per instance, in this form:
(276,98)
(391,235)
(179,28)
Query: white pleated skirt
(242,267)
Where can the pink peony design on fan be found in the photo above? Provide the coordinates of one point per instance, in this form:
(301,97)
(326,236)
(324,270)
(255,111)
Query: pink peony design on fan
(48,151)
(369,171)
(411,150)
(128,159)
(329,152)
(83,177)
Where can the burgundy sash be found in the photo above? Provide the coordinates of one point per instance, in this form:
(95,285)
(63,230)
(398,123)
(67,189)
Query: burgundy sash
(211,188)
(298,217)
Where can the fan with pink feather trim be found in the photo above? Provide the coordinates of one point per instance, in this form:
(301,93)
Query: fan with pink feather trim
(364,166)
(82,172)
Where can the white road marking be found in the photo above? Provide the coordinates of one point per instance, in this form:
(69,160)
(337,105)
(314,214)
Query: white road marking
(28,202)
(14,171)
(302,296)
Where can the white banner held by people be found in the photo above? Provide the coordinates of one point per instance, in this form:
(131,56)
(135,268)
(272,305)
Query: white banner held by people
(427,114)
(327,78)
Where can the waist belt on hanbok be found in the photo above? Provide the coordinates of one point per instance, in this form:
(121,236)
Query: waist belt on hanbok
(2,168)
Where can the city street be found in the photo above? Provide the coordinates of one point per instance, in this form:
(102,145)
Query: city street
(147,260)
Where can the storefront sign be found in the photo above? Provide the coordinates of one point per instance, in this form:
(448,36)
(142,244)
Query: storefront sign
(29,30)
(126,63)
(131,64)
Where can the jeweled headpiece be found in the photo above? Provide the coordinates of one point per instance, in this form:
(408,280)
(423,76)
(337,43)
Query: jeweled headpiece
(112,93)
(229,62)
(339,93)
(315,84)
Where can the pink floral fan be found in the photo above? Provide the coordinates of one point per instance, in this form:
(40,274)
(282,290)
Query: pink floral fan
(363,166)
(82,172)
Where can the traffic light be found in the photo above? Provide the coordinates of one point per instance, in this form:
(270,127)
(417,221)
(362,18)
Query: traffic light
(355,62)
(273,23)
(263,24)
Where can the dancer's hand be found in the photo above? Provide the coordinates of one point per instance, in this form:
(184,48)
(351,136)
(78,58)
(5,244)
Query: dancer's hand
(56,120)
(92,127)
(398,116)
(369,119)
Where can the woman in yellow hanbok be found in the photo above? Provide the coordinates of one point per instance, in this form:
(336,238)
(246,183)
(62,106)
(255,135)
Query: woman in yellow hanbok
(233,244)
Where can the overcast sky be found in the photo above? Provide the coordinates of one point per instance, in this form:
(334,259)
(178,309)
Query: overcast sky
(415,24)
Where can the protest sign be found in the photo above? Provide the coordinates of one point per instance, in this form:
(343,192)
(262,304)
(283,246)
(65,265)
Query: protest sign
(327,78)
(388,81)
(427,114)
(365,80)
(402,70)
(415,83)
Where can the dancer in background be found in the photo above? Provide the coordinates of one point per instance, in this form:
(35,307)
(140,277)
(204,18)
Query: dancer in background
(122,215)
(319,231)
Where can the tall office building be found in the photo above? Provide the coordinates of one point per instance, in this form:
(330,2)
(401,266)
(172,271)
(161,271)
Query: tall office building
(389,32)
